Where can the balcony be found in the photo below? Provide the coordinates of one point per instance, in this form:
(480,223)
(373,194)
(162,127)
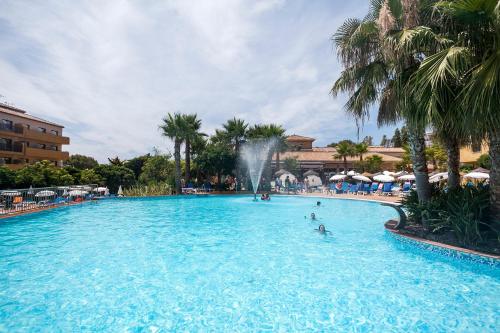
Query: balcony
(46,154)
(12,150)
(45,137)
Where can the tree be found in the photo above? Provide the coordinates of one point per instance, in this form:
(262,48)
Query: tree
(115,175)
(191,132)
(291,164)
(405,164)
(7,177)
(377,68)
(81,162)
(235,131)
(90,176)
(383,142)
(462,78)
(373,163)
(396,139)
(437,155)
(136,164)
(404,136)
(344,149)
(42,174)
(115,161)
(158,169)
(173,128)
(368,140)
(484,161)
(360,149)
(217,159)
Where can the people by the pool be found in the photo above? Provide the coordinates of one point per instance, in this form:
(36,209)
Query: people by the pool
(265,197)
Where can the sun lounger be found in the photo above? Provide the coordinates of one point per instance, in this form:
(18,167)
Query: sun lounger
(353,189)
(387,189)
(374,187)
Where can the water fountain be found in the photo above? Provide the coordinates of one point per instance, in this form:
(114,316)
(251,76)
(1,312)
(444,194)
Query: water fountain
(255,154)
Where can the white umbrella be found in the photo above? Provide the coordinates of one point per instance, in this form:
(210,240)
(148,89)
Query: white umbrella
(30,190)
(438,177)
(11,193)
(45,194)
(477,175)
(407,177)
(120,191)
(383,178)
(100,189)
(338,177)
(352,173)
(77,193)
(290,177)
(362,178)
(388,173)
(314,180)
(65,193)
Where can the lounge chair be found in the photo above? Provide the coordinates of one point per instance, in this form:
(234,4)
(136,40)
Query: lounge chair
(353,189)
(374,187)
(406,189)
(364,189)
(387,189)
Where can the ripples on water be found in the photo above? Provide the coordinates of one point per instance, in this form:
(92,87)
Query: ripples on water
(230,264)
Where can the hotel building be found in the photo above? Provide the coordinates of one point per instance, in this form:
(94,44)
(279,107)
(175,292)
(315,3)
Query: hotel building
(25,139)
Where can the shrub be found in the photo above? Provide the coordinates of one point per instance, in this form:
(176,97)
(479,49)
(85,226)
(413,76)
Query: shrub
(148,190)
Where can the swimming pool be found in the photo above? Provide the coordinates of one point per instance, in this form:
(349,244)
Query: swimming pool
(225,263)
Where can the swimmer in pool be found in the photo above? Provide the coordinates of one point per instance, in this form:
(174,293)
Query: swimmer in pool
(321,229)
(318,203)
(313,216)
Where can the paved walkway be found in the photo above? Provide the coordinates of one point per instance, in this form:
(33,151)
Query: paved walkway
(375,197)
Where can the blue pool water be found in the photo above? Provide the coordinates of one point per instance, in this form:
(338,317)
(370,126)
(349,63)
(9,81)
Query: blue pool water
(227,264)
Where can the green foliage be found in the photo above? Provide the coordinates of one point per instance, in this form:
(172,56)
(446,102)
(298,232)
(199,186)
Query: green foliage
(368,140)
(466,168)
(90,176)
(142,190)
(158,169)
(42,174)
(437,155)
(81,162)
(405,163)
(7,177)
(397,141)
(115,161)
(217,159)
(135,164)
(372,164)
(484,161)
(291,164)
(114,176)
(462,211)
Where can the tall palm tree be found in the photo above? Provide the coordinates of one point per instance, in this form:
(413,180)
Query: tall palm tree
(376,69)
(192,125)
(236,131)
(344,150)
(360,149)
(173,127)
(463,77)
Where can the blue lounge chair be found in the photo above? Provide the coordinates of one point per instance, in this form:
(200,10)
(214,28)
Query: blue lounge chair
(387,189)
(345,187)
(374,187)
(366,189)
(353,189)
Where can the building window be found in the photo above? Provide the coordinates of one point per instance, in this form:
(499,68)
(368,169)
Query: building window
(54,132)
(28,126)
(7,124)
(41,129)
(53,147)
(5,144)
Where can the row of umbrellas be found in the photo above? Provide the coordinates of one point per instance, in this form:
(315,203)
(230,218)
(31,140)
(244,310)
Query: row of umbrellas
(73,192)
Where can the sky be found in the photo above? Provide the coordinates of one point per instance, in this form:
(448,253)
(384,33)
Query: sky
(109,71)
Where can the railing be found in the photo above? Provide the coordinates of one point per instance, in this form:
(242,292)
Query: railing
(33,199)
(18,148)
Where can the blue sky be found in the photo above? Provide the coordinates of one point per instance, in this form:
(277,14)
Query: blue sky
(110,70)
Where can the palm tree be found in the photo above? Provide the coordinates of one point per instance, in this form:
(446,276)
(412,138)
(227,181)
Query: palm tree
(173,127)
(236,131)
(192,127)
(461,80)
(360,149)
(344,150)
(376,69)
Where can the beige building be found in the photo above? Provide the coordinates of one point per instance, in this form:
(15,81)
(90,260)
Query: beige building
(320,159)
(25,139)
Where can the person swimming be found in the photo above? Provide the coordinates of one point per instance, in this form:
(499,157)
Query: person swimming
(313,216)
(265,197)
(322,230)
(318,203)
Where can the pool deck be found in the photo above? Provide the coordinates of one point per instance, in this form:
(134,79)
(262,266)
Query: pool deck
(371,197)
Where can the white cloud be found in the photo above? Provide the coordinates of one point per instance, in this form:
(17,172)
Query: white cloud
(111,70)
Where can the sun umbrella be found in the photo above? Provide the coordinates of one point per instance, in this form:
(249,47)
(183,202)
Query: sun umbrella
(65,193)
(407,177)
(338,177)
(482,170)
(30,190)
(388,173)
(477,175)
(45,194)
(77,193)
(352,173)
(280,172)
(314,180)
(362,178)
(311,173)
(11,193)
(438,177)
(100,189)
(120,191)
(384,178)
(291,177)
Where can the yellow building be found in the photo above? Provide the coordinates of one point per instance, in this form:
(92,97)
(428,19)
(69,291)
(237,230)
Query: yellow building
(25,139)
(321,160)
